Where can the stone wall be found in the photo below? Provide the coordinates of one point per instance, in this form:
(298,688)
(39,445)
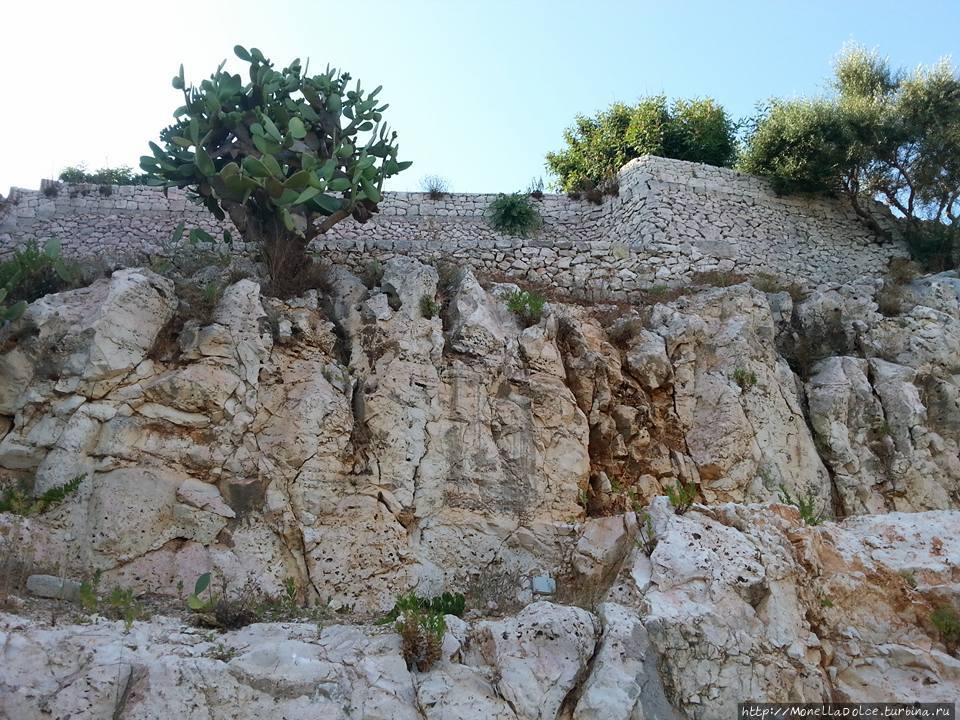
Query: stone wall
(671,220)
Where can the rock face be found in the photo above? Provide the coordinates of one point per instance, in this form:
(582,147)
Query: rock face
(349,443)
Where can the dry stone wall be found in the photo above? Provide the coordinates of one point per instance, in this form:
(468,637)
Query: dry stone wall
(671,220)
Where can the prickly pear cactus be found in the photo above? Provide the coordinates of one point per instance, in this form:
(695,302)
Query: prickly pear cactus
(286,154)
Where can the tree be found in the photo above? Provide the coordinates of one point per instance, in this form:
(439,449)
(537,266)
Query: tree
(597,147)
(286,155)
(882,134)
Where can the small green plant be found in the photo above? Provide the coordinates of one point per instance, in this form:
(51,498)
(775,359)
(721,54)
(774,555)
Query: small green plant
(909,578)
(826,602)
(196,602)
(31,273)
(526,305)
(535,188)
(429,307)
(221,652)
(17,500)
(746,379)
(373,273)
(947,622)
(681,496)
(646,535)
(122,604)
(421,631)
(88,594)
(435,186)
(805,504)
(445,604)
(514,214)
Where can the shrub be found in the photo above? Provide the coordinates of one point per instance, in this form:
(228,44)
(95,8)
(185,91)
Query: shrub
(947,622)
(514,214)
(429,307)
(435,186)
(882,134)
(526,305)
(805,504)
(597,147)
(122,175)
(681,496)
(30,274)
(17,500)
(746,379)
(421,631)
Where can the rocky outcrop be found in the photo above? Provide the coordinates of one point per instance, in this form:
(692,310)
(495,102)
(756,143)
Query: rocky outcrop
(351,443)
(735,601)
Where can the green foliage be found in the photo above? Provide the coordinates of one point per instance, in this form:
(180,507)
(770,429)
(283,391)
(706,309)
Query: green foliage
(122,175)
(597,147)
(746,379)
(805,504)
(31,273)
(882,134)
(514,214)
(200,604)
(421,626)
(17,499)
(526,305)
(681,496)
(88,594)
(947,622)
(286,154)
(646,535)
(429,307)
(122,604)
(119,604)
(445,604)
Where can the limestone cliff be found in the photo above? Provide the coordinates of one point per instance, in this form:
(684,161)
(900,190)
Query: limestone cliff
(348,442)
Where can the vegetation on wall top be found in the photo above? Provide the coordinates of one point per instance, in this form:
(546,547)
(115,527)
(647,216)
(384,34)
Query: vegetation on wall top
(597,147)
(882,134)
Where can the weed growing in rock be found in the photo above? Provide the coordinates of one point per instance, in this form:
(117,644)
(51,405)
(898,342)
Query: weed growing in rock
(221,612)
(535,188)
(646,535)
(681,496)
(17,500)
(526,305)
(421,630)
(435,186)
(947,622)
(429,307)
(373,273)
(826,602)
(805,504)
(119,604)
(746,379)
(514,214)
(718,278)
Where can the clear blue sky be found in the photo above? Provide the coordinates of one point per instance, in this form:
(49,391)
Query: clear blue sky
(479,91)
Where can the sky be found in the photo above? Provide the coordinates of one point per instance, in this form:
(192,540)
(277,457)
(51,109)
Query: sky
(479,91)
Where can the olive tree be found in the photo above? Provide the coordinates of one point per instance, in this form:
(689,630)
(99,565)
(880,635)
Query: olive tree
(287,155)
(881,135)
